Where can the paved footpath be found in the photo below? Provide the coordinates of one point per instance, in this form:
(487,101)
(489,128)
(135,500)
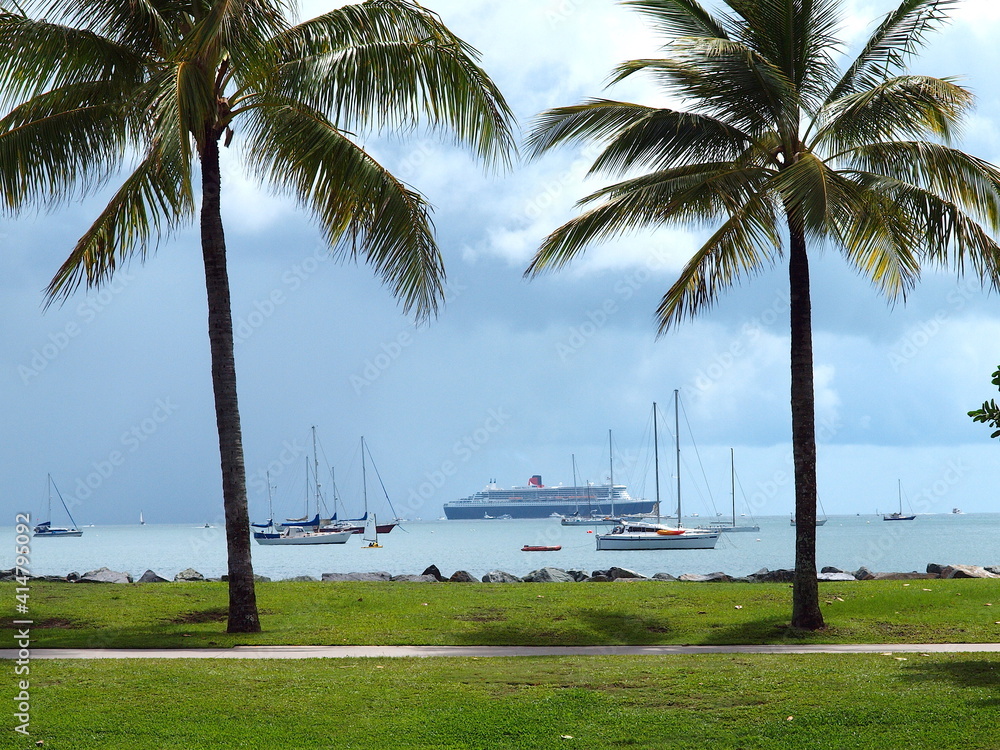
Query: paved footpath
(340,652)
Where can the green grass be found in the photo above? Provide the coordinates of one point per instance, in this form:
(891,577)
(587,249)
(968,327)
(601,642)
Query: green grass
(814,702)
(640,613)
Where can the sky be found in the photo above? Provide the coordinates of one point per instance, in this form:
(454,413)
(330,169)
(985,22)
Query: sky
(111,392)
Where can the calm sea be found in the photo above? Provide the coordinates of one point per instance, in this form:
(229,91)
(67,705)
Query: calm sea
(847,542)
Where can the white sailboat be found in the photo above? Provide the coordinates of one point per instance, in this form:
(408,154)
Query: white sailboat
(371,533)
(46,529)
(292,535)
(642,535)
(725,525)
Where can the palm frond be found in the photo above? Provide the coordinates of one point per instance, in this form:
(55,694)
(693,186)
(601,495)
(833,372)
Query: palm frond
(62,144)
(947,235)
(363,210)
(393,64)
(37,56)
(747,242)
(955,176)
(899,108)
(878,236)
(901,34)
(680,18)
(639,136)
(725,79)
(798,38)
(153,201)
(687,195)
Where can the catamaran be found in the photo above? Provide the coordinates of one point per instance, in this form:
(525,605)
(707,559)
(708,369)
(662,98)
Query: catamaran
(46,529)
(642,535)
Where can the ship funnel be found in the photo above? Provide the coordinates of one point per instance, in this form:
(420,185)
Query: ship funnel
(536,481)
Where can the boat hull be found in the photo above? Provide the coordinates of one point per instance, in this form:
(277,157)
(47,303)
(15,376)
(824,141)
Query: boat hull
(309,538)
(56,532)
(479,509)
(650,541)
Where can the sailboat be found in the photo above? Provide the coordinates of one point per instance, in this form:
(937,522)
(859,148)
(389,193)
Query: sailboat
(358,525)
(294,535)
(898,515)
(371,533)
(576,519)
(45,528)
(142,521)
(642,535)
(725,525)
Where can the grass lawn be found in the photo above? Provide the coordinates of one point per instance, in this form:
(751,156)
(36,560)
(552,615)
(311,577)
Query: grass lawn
(637,613)
(809,702)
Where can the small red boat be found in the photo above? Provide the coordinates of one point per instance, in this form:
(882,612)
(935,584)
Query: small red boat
(541,548)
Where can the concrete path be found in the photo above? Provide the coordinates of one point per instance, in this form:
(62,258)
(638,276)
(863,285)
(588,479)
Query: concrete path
(339,652)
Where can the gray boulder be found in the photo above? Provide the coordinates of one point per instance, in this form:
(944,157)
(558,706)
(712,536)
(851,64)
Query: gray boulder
(189,574)
(604,573)
(863,574)
(706,578)
(967,571)
(300,579)
(835,577)
(993,568)
(914,576)
(151,577)
(410,578)
(831,569)
(598,579)
(935,568)
(549,575)
(499,576)
(623,573)
(105,575)
(72,576)
(664,577)
(8,575)
(461,576)
(782,575)
(578,575)
(432,570)
(376,576)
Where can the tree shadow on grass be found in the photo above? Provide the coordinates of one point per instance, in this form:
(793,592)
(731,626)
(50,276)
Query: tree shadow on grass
(967,674)
(585,627)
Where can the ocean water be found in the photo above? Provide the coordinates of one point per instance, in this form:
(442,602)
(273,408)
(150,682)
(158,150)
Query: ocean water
(847,542)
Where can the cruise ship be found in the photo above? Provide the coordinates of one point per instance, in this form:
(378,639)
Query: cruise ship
(538,501)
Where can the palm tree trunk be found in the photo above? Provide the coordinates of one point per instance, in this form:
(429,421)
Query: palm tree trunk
(243,616)
(805,588)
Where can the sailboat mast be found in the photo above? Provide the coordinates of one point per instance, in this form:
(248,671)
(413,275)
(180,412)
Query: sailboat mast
(364,478)
(315,469)
(677,440)
(576,493)
(732,482)
(656,463)
(611,479)
(49,516)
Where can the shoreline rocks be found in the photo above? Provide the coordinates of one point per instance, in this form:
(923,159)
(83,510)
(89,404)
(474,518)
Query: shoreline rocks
(432,574)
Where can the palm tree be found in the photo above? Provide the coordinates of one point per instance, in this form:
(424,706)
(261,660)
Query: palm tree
(157,85)
(780,144)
